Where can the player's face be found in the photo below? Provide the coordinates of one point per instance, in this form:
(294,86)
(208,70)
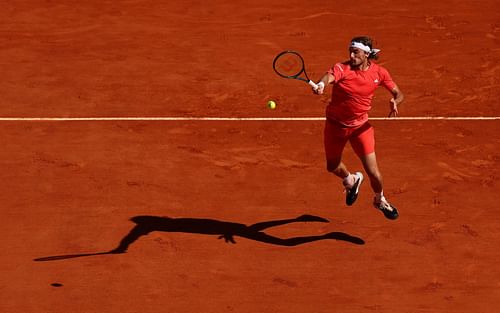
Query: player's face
(357,57)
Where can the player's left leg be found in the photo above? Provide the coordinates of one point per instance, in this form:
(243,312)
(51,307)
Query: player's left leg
(371,167)
(380,202)
(363,143)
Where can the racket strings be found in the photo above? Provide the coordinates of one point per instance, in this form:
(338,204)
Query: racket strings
(289,65)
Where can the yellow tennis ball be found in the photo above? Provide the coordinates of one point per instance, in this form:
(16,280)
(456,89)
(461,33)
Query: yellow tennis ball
(271,104)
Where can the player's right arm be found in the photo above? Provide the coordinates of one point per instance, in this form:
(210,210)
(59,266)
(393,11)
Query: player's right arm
(327,79)
(334,74)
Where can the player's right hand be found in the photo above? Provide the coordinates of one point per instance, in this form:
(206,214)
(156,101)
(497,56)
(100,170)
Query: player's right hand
(320,89)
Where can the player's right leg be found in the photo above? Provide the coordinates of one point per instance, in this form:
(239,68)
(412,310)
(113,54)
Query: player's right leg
(335,139)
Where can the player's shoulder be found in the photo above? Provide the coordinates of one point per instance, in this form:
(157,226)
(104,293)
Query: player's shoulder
(339,70)
(342,66)
(378,68)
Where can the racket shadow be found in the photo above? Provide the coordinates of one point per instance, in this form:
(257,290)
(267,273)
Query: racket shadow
(68,256)
(225,230)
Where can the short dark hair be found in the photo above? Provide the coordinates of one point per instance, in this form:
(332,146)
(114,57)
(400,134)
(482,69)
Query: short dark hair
(367,41)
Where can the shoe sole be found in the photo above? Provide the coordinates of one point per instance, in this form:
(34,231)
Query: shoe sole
(352,194)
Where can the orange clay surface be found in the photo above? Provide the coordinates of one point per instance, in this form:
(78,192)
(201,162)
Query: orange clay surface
(70,189)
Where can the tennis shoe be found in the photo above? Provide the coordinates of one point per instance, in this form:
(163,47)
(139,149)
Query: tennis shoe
(388,209)
(353,191)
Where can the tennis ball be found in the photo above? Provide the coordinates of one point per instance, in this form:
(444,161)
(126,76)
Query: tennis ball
(271,104)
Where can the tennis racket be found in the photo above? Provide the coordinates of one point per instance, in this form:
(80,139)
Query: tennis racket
(290,64)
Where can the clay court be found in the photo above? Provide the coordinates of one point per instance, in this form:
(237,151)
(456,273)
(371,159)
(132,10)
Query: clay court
(240,215)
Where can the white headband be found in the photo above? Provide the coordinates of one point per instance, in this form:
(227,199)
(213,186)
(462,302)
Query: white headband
(365,48)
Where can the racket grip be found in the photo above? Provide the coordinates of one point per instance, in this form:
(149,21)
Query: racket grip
(313,84)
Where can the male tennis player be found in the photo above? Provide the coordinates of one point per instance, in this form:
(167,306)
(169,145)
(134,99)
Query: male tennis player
(354,83)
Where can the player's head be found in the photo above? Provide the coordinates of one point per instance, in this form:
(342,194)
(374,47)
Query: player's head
(361,50)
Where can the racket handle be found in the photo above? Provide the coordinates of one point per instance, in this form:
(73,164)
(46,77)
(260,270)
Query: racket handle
(313,84)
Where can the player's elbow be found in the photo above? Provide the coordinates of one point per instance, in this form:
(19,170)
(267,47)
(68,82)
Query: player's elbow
(330,78)
(398,95)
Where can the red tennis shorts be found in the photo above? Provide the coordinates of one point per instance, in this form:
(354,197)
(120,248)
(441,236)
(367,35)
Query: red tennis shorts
(362,139)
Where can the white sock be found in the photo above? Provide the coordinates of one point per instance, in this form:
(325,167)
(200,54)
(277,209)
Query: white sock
(379,197)
(349,180)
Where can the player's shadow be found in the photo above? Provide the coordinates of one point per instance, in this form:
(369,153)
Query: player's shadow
(225,230)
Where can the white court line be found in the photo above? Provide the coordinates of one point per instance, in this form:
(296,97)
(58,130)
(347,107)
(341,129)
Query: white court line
(71,119)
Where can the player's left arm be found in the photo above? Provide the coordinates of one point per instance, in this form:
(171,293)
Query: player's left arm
(397,98)
(397,95)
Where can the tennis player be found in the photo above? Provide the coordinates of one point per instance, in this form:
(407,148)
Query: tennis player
(354,83)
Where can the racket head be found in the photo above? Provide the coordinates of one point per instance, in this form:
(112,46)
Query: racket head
(289,64)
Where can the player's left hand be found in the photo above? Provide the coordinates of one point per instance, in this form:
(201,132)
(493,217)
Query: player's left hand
(394,108)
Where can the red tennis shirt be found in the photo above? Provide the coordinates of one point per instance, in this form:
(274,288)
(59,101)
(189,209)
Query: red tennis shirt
(353,91)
